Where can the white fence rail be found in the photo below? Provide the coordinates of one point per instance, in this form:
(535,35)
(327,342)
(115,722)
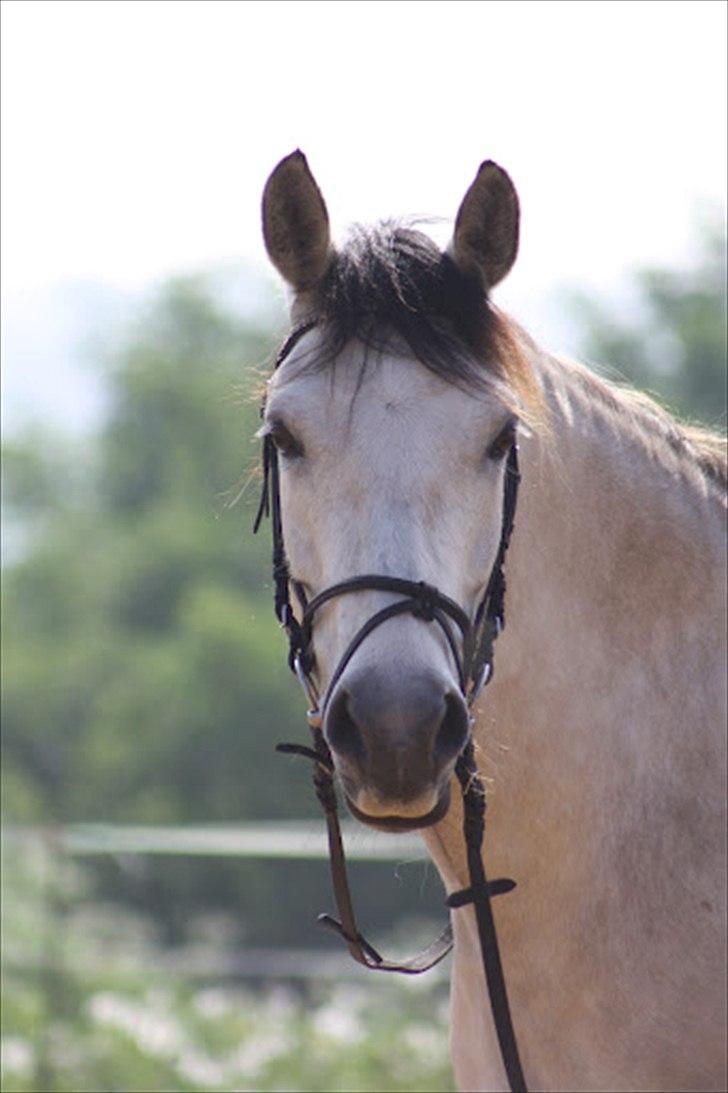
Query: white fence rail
(296,839)
(293,840)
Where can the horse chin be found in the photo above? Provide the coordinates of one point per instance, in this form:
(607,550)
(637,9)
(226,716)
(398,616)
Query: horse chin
(395,824)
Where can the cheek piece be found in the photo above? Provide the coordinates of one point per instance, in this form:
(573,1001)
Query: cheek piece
(471,645)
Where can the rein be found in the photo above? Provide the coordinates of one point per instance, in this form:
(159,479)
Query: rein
(473,657)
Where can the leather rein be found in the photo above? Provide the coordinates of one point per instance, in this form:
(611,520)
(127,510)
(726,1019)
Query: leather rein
(472,646)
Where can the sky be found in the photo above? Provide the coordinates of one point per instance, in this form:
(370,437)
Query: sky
(137,137)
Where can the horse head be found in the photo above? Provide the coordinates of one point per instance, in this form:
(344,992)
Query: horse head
(390,418)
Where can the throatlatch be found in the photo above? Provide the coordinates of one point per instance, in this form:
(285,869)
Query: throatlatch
(473,657)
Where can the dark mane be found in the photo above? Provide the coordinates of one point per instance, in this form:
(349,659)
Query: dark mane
(390,280)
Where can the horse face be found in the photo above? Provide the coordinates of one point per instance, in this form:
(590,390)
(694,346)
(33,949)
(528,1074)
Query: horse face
(387,467)
(390,471)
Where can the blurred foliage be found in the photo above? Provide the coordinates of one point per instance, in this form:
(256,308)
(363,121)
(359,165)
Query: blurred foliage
(144,674)
(79,1012)
(674,344)
(138,645)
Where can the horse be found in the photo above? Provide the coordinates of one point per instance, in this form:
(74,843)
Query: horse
(600,737)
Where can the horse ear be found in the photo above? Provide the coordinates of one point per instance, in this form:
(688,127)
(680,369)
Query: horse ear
(486,227)
(296,224)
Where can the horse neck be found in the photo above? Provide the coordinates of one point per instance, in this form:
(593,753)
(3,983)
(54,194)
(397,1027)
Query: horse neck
(614,627)
(621,535)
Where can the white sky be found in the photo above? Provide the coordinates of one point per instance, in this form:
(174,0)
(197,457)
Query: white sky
(137,135)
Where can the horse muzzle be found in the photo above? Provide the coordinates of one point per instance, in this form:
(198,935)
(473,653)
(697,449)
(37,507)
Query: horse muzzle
(395,744)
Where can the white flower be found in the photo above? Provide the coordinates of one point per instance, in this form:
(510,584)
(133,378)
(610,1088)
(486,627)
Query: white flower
(16,1056)
(258,1050)
(426,1043)
(199,1069)
(280,1004)
(158,1034)
(154,1032)
(337,1023)
(213,1003)
(106,1008)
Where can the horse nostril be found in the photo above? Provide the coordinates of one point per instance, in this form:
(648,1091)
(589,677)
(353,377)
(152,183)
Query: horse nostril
(342,732)
(453,732)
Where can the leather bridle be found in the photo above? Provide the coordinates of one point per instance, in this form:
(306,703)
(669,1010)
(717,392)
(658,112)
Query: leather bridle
(473,658)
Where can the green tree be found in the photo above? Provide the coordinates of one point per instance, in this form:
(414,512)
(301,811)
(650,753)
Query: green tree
(144,674)
(675,344)
(139,650)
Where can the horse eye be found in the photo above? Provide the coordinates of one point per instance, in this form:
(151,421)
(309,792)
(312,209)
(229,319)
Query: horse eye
(284,441)
(499,447)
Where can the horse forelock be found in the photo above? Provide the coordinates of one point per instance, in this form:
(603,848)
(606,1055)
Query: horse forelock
(391,284)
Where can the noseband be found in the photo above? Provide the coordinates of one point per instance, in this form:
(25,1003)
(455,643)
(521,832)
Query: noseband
(472,652)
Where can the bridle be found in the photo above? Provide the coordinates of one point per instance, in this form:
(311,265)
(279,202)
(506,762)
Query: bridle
(473,657)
